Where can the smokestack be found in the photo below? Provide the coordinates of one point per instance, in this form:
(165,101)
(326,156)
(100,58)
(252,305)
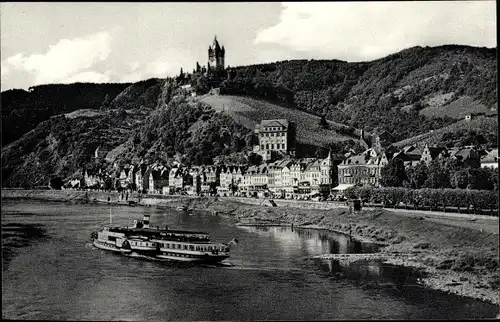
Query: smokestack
(145,221)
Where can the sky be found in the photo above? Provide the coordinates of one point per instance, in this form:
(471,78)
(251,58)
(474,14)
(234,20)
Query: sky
(67,42)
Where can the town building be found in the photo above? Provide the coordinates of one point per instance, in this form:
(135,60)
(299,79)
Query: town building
(362,169)
(410,155)
(140,178)
(124,176)
(431,153)
(230,178)
(275,137)
(93,178)
(469,155)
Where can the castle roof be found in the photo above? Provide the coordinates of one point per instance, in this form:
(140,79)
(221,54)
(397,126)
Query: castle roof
(215,45)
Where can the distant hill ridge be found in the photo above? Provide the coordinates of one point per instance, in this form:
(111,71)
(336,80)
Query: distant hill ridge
(401,93)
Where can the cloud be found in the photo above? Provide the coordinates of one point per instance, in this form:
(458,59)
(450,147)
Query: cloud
(170,63)
(87,77)
(133,66)
(132,78)
(365,31)
(63,60)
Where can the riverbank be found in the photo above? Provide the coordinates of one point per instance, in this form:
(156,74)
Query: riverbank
(461,259)
(457,259)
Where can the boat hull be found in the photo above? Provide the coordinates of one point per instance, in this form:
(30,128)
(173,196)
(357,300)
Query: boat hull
(110,247)
(164,256)
(187,258)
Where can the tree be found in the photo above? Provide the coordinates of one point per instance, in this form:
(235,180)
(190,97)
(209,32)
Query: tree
(320,152)
(56,183)
(254,159)
(460,179)
(108,184)
(479,179)
(438,176)
(106,102)
(393,174)
(417,175)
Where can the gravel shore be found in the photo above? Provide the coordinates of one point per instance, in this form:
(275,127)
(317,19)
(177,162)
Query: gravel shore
(457,259)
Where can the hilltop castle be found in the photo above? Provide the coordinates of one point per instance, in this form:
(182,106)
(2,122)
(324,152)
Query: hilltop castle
(216,55)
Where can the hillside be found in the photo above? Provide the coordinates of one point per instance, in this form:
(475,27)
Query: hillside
(23,110)
(479,130)
(63,144)
(446,105)
(385,94)
(248,112)
(185,130)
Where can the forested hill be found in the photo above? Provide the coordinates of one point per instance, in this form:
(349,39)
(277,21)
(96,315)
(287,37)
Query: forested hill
(394,93)
(23,110)
(52,130)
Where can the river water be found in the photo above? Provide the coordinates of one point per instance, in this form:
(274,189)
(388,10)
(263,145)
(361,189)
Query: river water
(50,271)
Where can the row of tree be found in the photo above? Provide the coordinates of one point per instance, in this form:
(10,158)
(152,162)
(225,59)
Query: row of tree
(435,199)
(440,173)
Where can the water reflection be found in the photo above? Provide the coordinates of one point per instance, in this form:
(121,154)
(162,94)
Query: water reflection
(315,242)
(373,271)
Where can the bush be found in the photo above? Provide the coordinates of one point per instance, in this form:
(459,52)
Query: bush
(434,198)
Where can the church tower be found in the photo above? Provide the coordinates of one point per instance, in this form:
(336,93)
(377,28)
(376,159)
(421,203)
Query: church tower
(216,55)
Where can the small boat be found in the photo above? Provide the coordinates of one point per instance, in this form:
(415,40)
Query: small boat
(182,208)
(143,240)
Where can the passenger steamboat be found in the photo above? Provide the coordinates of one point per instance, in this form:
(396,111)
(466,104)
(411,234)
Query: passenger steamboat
(161,243)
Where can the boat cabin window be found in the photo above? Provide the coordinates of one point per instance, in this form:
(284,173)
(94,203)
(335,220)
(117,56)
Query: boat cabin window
(191,247)
(111,238)
(185,246)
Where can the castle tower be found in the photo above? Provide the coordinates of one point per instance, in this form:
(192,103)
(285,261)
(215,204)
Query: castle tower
(216,55)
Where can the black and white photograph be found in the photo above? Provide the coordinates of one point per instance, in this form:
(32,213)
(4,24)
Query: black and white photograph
(249,161)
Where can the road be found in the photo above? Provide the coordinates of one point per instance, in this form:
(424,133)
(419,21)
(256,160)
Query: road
(484,223)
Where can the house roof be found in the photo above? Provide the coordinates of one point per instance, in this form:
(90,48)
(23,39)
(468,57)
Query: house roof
(360,159)
(492,156)
(465,153)
(275,122)
(407,157)
(434,151)
(315,163)
(412,150)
